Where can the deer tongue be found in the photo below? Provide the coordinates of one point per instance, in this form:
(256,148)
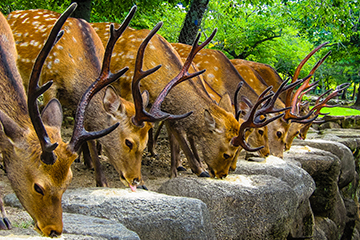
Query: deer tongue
(133,188)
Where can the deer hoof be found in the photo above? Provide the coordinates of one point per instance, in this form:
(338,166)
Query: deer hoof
(143,187)
(7,223)
(181,169)
(204,174)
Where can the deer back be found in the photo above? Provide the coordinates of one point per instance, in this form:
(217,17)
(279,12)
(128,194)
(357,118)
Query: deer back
(72,64)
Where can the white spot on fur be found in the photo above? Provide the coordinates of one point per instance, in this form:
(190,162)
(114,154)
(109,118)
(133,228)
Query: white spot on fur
(56,60)
(36,17)
(216,68)
(49,65)
(74,39)
(210,75)
(59,47)
(24,44)
(24,15)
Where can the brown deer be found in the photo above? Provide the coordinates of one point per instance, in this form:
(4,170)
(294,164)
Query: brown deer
(36,159)
(267,74)
(72,64)
(211,128)
(223,77)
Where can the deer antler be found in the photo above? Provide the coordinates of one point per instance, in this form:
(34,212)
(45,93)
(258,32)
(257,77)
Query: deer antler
(80,135)
(47,155)
(289,115)
(318,106)
(306,85)
(155,113)
(253,122)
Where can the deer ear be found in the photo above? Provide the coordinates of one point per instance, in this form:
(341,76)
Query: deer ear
(209,120)
(112,102)
(52,115)
(9,129)
(225,103)
(211,123)
(145,97)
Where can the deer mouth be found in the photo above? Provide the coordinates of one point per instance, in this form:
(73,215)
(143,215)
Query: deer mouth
(132,186)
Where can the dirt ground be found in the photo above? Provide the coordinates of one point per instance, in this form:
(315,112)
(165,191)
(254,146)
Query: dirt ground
(155,171)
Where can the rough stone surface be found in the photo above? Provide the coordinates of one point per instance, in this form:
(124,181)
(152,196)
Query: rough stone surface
(324,167)
(347,163)
(247,206)
(98,228)
(151,215)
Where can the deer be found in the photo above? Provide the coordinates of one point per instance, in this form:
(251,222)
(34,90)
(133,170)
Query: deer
(268,76)
(210,131)
(222,76)
(36,159)
(124,146)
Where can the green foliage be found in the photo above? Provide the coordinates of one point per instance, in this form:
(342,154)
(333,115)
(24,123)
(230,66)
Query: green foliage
(276,32)
(7,6)
(340,111)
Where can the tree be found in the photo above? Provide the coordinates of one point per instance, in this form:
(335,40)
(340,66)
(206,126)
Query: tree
(83,9)
(192,21)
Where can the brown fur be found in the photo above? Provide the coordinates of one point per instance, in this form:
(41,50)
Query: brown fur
(223,77)
(73,65)
(21,149)
(213,140)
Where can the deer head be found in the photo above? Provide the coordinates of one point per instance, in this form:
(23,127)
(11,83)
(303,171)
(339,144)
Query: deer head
(37,160)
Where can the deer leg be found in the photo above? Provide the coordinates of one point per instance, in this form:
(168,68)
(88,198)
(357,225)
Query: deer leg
(86,155)
(194,164)
(151,142)
(5,223)
(99,175)
(197,157)
(174,149)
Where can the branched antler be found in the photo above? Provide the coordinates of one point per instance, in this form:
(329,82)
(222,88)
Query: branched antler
(80,135)
(155,113)
(47,155)
(318,106)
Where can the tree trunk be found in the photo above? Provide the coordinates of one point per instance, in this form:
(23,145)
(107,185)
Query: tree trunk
(192,21)
(83,9)
(354,92)
(357,103)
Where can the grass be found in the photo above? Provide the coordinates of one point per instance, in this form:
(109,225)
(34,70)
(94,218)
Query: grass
(340,111)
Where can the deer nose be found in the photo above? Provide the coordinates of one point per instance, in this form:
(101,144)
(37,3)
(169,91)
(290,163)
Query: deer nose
(54,233)
(136,181)
(222,176)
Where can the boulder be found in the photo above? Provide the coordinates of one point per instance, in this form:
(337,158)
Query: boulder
(347,163)
(250,206)
(324,167)
(330,125)
(96,228)
(303,223)
(151,215)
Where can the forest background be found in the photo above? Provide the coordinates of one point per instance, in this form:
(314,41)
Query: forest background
(276,32)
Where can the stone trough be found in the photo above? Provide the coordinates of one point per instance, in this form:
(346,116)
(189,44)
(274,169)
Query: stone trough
(311,193)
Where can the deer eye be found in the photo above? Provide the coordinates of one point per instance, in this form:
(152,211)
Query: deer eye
(38,189)
(129,144)
(279,134)
(226,156)
(261,132)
